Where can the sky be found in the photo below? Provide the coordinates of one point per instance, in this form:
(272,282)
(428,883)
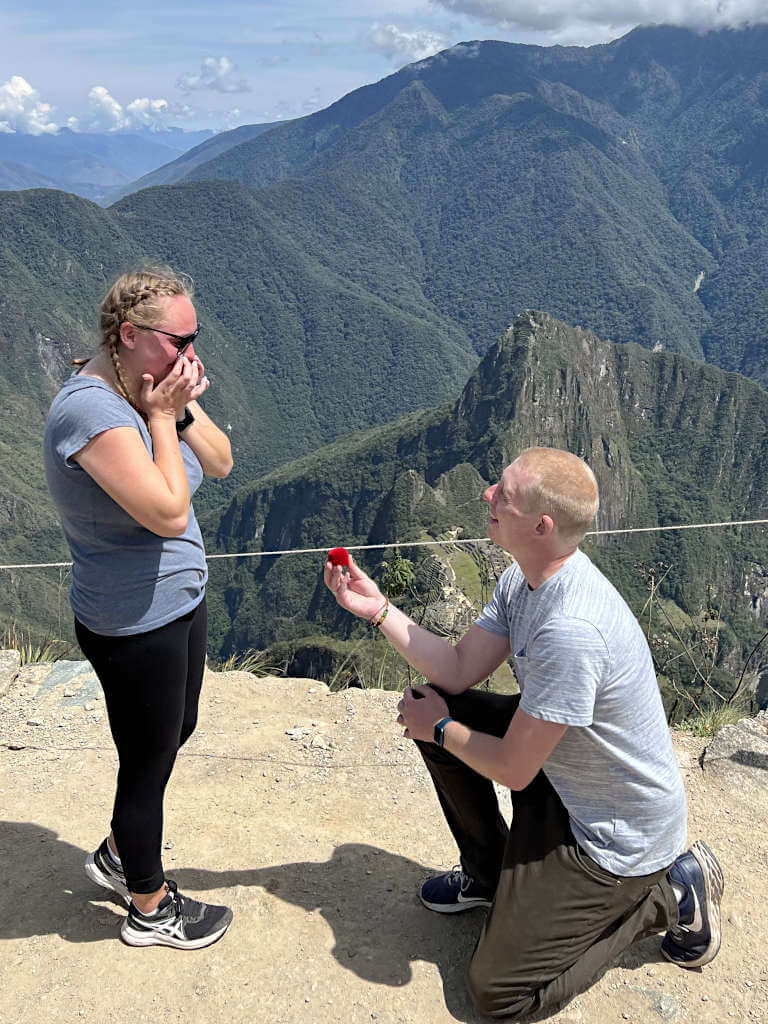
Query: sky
(223,64)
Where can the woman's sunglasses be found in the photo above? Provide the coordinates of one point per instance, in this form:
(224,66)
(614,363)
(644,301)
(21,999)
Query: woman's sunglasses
(180,341)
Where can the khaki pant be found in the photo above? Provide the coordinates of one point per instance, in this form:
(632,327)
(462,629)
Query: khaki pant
(557,916)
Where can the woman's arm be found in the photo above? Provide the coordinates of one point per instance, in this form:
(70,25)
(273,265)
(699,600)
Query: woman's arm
(209,443)
(154,490)
(155,494)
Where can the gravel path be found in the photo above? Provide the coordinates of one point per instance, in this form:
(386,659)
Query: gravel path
(310,815)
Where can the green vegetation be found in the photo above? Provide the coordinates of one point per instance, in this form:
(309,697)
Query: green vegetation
(258,663)
(711,719)
(671,440)
(350,267)
(33,650)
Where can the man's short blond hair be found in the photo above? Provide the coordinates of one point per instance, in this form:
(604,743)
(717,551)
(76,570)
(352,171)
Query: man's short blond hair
(562,486)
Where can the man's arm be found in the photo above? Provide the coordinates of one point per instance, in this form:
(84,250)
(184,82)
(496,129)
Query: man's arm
(512,761)
(516,758)
(452,668)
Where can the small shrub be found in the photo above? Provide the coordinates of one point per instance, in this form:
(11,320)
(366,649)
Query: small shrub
(711,719)
(258,663)
(32,651)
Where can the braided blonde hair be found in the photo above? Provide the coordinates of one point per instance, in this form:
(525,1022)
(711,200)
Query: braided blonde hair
(133,299)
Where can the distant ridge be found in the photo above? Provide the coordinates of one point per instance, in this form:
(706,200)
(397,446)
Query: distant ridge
(616,187)
(177,169)
(670,440)
(93,164)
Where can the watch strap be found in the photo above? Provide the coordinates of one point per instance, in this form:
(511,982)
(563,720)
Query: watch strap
(439,734)
(183,424)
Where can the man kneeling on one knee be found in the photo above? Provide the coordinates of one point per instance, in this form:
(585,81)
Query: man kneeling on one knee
(593,859)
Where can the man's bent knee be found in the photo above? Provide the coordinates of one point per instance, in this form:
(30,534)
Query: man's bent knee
(498,997)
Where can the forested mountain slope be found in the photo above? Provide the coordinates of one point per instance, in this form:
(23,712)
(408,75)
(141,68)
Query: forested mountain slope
(352,266)
(622,186)
(670,440)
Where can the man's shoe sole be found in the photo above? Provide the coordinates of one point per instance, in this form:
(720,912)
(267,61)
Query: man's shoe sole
(96,875)
(455,908)
(713,893)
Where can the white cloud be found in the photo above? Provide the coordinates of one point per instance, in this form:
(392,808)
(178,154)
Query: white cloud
(145,111)
(553,15)
(397,44)
(106,114)
(232,118)
(182,110)
(215,73)
(21,109)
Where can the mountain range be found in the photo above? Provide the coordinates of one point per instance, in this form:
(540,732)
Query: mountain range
(89,164)
(355,265)
(671,441)
(178,169)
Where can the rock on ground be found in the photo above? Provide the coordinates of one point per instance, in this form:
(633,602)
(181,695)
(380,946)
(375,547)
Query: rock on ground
(739,753)
(311,816)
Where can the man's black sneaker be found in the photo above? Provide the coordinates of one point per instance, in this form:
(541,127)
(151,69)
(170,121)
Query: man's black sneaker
(453,892)
(696,938)
(101,869)
(179,922)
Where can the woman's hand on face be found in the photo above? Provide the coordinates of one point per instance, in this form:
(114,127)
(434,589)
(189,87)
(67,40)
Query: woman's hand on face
(202,381)
(354,590)
(169,396)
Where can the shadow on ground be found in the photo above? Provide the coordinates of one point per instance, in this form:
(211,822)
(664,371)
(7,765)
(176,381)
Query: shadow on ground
(51,894)
(368,897)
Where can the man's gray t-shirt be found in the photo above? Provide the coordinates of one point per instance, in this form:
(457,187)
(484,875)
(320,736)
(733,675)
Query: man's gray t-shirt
(581,659)
(125,579)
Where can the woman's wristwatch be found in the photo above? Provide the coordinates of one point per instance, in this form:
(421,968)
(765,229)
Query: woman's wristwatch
(183,424)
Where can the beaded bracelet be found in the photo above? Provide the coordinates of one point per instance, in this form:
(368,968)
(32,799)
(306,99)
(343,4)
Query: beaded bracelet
(380,615)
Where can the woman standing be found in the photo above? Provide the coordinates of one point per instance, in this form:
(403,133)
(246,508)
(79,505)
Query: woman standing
(126,445)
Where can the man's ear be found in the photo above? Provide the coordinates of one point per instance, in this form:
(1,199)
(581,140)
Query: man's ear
(545,526)
(128,334)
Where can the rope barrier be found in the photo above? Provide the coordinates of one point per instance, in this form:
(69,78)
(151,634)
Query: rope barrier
(421,543)
(276,761)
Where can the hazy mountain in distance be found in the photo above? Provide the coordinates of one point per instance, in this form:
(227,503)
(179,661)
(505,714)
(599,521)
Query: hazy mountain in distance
(177,169)
(18,176)
(93,164)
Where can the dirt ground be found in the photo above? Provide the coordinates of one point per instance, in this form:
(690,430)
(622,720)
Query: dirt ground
(310,815)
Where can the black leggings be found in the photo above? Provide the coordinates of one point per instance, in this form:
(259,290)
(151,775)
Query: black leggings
(151,684)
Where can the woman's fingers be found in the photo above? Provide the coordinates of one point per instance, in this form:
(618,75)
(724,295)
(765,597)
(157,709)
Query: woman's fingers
(147,383)
(200,388)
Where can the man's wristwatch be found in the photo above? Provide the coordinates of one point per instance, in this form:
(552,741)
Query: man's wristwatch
(183,424)
(439,736)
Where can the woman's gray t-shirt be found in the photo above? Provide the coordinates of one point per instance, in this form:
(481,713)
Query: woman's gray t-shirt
(125,579)
(581,660)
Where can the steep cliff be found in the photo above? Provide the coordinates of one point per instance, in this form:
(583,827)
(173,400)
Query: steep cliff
(671,441)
